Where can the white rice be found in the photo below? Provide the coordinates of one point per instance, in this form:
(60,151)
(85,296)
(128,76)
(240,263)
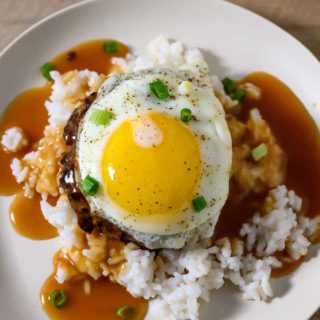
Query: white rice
(176,281)
(14,139)
(280,228)
(68,91)
(298,242)
(19,171)
(64,219)
(160,52)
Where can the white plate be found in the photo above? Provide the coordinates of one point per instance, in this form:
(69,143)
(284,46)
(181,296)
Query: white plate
(235,42)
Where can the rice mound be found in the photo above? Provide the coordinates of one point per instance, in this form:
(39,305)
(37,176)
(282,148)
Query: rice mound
(174,281)
(177,280)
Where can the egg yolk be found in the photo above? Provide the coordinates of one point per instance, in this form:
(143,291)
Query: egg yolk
(152,180)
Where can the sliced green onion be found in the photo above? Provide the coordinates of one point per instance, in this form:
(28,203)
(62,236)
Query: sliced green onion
(45,70)
(125,312)
(111,47)
(90,186)
(186,115)
(238,95)
(100,117)
(259,152)
(199,203)
(58,298)
(159,89)
(229,85)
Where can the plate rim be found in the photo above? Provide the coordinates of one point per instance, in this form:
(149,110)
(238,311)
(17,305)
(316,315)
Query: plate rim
(225,2)
(308,54)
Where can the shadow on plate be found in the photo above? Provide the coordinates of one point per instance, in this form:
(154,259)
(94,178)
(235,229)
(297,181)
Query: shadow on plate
(216,66)
(314,251)
(281,286)
(224,304)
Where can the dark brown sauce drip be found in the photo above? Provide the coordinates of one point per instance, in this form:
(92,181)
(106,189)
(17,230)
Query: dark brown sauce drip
(104,299)
(68,177)
(299,137)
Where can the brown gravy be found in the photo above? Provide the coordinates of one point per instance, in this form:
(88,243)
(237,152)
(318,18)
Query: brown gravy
(287,267)
(299,136)
(26,111)
(102,303)
(27,219)
(88,55)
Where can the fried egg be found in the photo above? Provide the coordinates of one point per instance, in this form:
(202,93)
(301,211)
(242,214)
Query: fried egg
(149,163)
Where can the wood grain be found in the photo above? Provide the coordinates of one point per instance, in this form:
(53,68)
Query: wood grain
(301,18)
(17,15)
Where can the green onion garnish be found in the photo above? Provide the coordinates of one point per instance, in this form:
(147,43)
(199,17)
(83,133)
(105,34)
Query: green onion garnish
(125,312)
(111,47)
(100,117)
(45,70)
(199,203)
(259,152)
(90,186)
(58,298)
(186,115)
(238,95)
(159,89)
(228,85)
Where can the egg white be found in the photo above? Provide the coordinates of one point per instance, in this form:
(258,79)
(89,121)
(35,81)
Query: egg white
(127,96)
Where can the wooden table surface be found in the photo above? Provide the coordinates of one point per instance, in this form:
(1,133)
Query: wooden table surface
(301,18)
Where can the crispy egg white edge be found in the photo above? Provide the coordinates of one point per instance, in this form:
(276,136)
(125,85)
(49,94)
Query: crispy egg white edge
(216,152)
